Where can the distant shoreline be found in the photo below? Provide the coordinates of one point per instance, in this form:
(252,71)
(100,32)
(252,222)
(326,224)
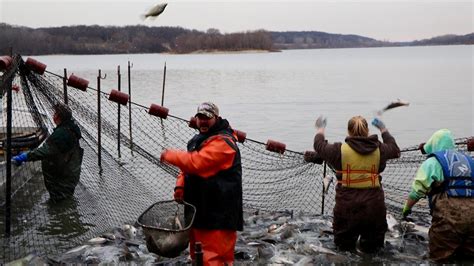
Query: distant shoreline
(80,40)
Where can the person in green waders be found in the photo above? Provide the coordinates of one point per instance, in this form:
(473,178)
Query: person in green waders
(60,155)
(447,178)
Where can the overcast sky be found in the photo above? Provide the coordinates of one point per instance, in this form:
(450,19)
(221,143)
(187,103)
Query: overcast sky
(395,20)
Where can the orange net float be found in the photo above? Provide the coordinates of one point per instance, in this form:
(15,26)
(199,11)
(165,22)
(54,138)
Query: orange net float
(275,146)
(5,62)
(118,97)
(470,144)
(35,65)
(192,122)
(241,136)
(77,82)
(158,110)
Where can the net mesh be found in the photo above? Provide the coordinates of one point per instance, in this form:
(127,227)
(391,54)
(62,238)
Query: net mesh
(130,176)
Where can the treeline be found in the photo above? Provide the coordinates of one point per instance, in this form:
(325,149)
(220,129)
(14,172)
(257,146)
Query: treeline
(213,40)
(142,39)
(316,39)
(129,39)
(447,40)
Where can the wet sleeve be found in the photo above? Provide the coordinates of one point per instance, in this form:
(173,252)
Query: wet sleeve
(389,147)
(216,155)
(45,151)
(429,172)
(329,152)
(180,180)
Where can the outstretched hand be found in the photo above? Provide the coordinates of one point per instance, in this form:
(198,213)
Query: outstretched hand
(20,159)
(321,122)
(378,124)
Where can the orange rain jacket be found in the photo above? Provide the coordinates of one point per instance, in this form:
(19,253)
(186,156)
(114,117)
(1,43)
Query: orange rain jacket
(211,175)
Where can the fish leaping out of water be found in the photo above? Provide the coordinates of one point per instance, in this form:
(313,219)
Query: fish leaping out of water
(392,105)
(155,11)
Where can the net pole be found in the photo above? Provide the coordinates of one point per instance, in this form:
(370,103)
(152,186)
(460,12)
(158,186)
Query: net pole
(65,87)
(130,106)
(323,192)
(119,79)
(99,124)
(163,88)
(8,87)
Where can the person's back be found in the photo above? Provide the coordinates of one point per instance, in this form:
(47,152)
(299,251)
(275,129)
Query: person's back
(360,208)
(447,178)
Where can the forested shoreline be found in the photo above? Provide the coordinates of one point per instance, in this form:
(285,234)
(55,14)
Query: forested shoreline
(143,39)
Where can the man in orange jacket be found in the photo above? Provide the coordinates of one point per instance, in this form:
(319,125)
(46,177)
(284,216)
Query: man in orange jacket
(211,180)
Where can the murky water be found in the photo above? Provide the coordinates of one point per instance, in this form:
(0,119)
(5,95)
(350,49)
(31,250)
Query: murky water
(279,95)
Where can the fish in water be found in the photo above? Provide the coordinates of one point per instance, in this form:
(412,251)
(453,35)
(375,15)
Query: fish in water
(392,105)
(129,230)
(155,11)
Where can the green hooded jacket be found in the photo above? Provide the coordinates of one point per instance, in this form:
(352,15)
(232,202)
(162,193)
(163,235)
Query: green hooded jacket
(430,172)
(61,159)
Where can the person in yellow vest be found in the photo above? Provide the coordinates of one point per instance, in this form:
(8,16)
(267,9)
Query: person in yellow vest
(360,201)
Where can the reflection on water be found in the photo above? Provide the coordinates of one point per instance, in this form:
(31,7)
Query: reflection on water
(64,219)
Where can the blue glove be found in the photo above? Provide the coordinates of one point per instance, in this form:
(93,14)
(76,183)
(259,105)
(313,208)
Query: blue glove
(20,158)
(321,122)
(378,123)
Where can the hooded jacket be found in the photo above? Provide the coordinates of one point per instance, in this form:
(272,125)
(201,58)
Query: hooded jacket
(331,153)
(430,174)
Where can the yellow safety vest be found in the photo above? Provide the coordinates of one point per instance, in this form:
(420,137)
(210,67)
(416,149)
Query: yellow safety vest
(359,170)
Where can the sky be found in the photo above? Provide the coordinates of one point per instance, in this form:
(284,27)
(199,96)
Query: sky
(389,20)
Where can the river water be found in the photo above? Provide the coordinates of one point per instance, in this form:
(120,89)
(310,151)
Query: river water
(279,95)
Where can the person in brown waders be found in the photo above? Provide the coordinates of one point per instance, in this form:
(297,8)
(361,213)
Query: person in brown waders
(211,180)
(360,201)
(447,178)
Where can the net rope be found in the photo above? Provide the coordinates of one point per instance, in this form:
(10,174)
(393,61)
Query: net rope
(132,179)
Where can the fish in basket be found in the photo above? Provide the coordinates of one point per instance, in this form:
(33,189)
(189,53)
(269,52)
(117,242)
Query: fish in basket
(166,225)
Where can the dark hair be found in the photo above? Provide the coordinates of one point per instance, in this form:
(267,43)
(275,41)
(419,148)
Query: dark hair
(63,111)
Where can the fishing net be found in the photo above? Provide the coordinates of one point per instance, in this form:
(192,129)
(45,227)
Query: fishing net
(122,174)
(166,227)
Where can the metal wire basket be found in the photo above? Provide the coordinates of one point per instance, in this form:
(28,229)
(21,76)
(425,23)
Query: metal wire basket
(166,225)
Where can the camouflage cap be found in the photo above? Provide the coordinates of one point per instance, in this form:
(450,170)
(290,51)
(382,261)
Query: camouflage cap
(208,109)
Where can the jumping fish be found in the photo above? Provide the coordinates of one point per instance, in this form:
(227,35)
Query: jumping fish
(392,105)
(155,11)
